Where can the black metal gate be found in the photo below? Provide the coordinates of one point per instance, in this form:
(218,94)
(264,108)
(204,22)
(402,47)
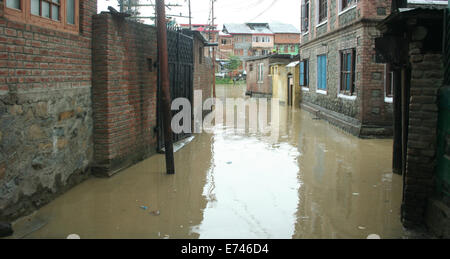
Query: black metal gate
(181,69)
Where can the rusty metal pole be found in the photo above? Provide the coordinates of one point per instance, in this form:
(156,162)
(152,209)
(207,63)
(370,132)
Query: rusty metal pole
(165,84)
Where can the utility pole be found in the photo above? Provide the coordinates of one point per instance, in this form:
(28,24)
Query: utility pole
(190,15)
(214,52)
(163,57)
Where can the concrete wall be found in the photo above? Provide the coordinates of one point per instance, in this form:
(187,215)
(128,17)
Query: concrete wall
(45,111)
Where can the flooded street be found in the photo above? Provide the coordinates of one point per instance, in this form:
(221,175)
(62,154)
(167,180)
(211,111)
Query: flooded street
(316,182)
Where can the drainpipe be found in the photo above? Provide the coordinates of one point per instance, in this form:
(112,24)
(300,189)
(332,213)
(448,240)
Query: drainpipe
(165,85)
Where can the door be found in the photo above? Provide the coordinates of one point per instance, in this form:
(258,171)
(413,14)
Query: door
(290,91)
(181,68)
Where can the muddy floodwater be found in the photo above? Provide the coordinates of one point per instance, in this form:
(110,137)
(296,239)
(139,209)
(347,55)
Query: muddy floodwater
(316,181)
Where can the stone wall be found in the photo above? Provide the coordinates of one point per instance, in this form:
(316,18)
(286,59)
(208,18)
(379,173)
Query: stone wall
(367,113)
(124,92)
(45,112)
(364,114)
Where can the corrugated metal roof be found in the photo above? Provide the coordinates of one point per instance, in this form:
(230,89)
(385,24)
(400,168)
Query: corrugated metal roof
(283,28)
(259,28)
(236,28)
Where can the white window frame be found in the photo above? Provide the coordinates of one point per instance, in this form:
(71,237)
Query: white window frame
(348,8)
(303,2)
(388,99)
(261,73)
(317,14)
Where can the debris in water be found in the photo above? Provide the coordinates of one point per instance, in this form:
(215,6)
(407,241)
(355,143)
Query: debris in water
(355,194)
(181,226)
(73,236)
(144,207)
(373,236)
(361,228)
(155,213)
(166,237)
(229,163)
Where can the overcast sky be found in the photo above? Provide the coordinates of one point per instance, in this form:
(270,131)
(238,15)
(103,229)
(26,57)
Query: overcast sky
(227,11)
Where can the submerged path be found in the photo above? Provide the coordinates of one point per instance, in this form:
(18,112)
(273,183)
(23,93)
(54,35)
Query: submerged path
(315,182)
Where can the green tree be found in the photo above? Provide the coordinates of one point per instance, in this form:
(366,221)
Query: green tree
(234,63)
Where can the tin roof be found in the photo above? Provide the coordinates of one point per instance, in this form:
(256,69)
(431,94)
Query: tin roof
(283,28)
(236,28)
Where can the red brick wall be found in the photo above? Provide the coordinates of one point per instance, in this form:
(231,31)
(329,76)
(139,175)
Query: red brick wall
(203,72)
(124,92)
(287,38)
(374,110)
(252,77)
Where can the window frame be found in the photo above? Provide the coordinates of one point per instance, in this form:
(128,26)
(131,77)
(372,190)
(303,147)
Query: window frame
(389,79)
(347,6)
(305,16)
(318,83)
(24,15)
(305,72)
(320,4)
(343,63)
(260,73)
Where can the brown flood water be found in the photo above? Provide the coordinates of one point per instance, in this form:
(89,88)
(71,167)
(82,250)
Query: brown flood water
(316,182)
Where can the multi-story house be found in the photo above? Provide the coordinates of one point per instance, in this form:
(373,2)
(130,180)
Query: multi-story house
(261,39)
(225,49)
(286,38)
(209,32)
(340,79)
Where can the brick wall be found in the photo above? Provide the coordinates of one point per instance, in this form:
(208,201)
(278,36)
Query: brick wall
(203,71)
(124,92)
(427,78)
(287,38)
(45,111)
(253,86)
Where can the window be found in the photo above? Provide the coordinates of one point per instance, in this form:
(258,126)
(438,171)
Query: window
(292,48)
(304,73)
(323,7)
(55,14)
(346,3)
(389,82)
(347,72)
(49,9)
(251,67)
(260,72)
(305,16)
(322,72)
(15,4)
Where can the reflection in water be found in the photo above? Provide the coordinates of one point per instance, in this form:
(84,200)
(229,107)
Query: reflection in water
(316,182)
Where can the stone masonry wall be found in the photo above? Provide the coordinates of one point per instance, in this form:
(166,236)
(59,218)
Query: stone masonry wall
(426,79)
(367,113)
(124,92)
(45,112)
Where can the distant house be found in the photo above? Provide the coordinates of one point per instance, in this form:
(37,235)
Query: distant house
(342,83)
(261,39)
(225,49)
(268,76)
(286,38)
